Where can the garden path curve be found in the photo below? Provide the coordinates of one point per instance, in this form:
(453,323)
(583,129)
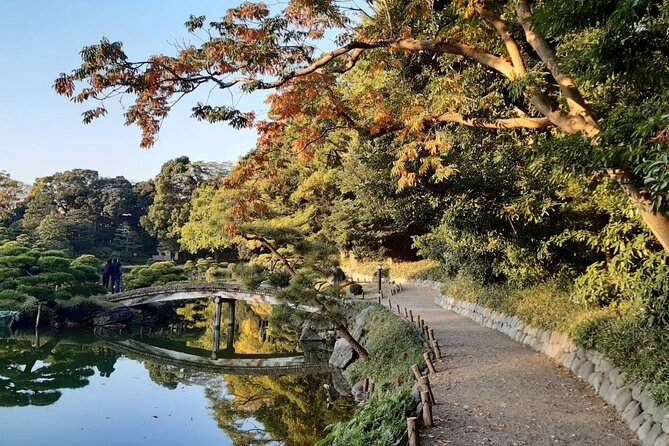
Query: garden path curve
(492,390)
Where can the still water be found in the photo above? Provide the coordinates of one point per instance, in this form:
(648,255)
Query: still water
(76,388)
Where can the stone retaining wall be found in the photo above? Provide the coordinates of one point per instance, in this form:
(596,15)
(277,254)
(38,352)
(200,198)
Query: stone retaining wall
(649,421)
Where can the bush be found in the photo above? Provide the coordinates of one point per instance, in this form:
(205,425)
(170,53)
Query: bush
(279,279)
(87,260)
(12,295)
(355,289)
(250,275)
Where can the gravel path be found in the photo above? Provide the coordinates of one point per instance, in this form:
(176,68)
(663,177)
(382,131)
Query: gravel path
(492,390)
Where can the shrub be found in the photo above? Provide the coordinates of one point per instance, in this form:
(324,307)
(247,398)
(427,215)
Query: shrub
(250,275)
(279,279)
(12,295)
(355,289)
(379,422)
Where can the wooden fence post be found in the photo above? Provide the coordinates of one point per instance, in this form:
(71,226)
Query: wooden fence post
(437,350)
(430,334)
(428,361)
(412,430)
(416,372)
(411,316)
(418,320)
(427,409)
(425,384)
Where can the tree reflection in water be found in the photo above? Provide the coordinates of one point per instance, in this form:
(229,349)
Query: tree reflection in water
(250,409)
(35,375)
(290,408)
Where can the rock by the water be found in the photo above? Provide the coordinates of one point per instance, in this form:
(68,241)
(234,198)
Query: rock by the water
(342,355)
(310,335)
(358,392)
(339,382)
(116,316)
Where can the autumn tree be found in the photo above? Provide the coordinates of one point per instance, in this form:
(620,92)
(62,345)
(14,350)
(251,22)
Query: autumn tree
(574,74)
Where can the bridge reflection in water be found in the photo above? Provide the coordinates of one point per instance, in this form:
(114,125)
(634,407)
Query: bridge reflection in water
(220,293)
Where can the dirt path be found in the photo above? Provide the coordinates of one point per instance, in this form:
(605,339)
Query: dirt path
(491,390)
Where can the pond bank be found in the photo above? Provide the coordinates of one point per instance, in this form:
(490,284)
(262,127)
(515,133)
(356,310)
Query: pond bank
(393,345)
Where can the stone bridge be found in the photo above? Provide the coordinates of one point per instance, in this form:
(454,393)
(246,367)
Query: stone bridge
(227,291)
(238,364)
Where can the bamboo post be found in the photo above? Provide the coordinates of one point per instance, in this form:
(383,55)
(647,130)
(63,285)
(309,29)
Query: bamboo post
(427,409)
(39,313)
(425,384)
(437,350)
(412,430)
(428,361)
(416,372)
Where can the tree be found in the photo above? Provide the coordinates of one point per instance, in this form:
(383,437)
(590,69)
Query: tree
(80,211)
(574,74)
(174,187)
(126,240)
(12,193)
(250,218)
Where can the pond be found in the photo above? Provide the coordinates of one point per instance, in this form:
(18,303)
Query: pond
(167,387)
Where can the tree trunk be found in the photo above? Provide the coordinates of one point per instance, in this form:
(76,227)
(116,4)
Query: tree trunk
(657,223)
(355,345)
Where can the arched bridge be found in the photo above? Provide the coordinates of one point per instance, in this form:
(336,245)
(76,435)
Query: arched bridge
(189,291)
(236,363)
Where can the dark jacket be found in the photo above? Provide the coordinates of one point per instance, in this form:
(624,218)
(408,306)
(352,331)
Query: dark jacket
(116,269)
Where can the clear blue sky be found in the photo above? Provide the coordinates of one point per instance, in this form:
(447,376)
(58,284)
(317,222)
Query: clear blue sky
(41,133)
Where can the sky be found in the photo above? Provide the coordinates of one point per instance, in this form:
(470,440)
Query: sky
(41,133)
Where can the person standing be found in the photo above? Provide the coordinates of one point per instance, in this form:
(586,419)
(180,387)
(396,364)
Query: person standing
(116,276)
(106,274)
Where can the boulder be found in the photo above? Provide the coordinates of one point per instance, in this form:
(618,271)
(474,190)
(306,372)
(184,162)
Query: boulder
(116,316)
(342,355)
(339,382)
(361,317)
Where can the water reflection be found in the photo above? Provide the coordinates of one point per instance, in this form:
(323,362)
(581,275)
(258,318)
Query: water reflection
(114,382)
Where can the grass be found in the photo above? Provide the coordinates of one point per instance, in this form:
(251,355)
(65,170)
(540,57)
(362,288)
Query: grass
(422,269)
(393,345)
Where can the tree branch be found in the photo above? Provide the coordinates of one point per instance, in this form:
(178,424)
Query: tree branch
(490,123)
(506,36)
(575,101)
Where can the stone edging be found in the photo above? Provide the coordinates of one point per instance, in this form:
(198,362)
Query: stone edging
(633,402)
